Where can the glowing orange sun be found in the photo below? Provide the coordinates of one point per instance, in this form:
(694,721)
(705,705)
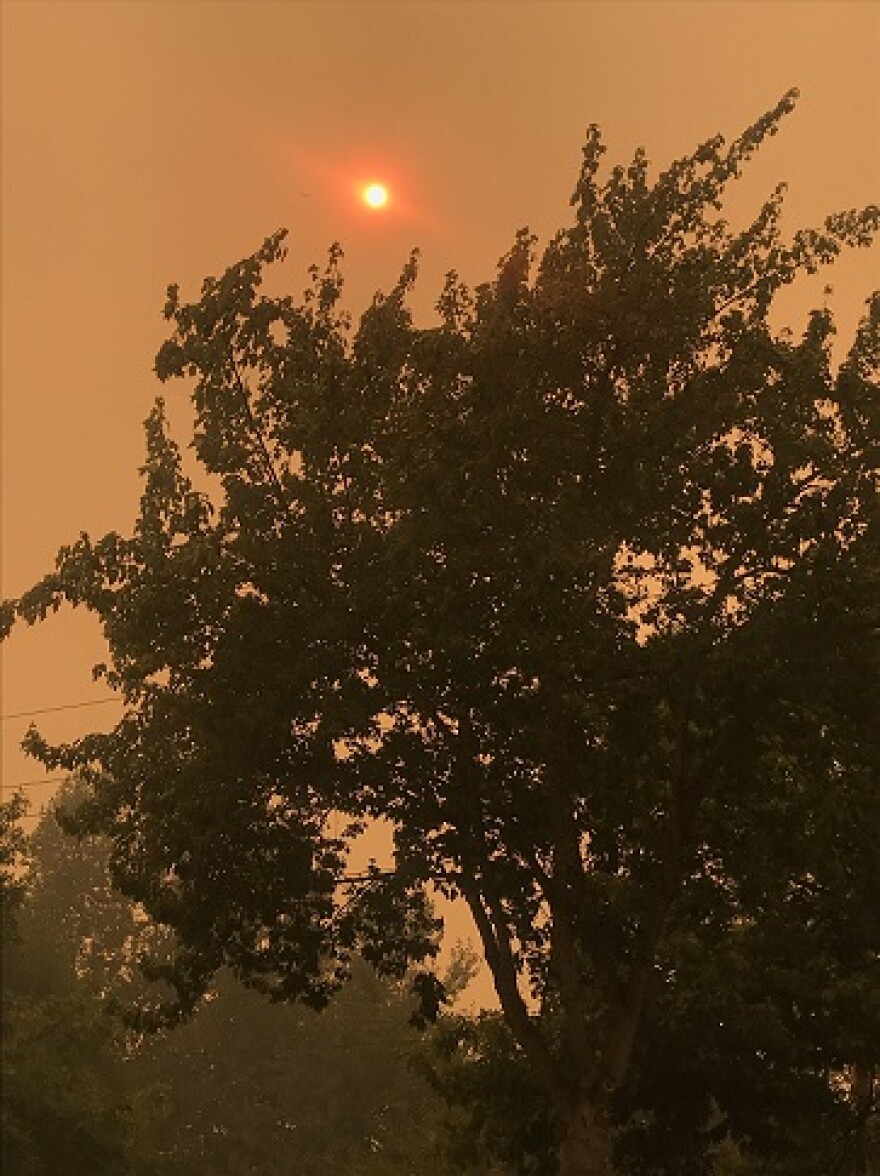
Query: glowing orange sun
(375,196)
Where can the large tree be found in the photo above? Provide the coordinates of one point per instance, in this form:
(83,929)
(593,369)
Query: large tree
(576,591)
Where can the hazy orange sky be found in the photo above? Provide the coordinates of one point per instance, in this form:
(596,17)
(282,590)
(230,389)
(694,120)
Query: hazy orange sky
(151,142)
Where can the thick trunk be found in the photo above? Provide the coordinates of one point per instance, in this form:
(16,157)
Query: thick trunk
(586,1143)
(587,1129)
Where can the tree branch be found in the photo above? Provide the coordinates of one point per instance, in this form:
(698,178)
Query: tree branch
(257,435)
(499,957)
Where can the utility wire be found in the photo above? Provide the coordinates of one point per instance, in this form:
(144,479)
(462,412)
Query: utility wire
(51,710)
(31,783)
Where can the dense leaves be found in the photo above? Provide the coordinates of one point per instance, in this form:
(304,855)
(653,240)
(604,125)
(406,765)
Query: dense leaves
(245,1086)
(576,590)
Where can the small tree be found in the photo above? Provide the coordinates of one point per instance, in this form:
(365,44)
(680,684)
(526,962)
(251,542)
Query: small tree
(12,859)
(577,591)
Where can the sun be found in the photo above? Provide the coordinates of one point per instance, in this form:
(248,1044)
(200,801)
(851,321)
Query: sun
(375,195)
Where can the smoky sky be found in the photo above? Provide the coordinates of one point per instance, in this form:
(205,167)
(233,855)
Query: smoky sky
(145,143)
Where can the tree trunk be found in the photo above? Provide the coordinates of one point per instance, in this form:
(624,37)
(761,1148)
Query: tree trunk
(586,1143)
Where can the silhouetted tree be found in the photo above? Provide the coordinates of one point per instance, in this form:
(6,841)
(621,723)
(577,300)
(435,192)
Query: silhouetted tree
(576,591)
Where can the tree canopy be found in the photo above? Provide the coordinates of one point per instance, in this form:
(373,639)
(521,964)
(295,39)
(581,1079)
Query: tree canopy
(576,590)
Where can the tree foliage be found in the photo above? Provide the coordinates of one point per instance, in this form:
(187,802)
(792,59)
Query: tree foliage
(12,857)
(251,1087)
(65,1107)
(245,1086)
(576,590)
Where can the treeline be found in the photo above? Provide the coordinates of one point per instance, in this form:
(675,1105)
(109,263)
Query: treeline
(245,1086)
(250,1086)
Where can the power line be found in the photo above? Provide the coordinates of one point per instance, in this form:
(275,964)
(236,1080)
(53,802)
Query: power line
(31,783)
(51,710)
